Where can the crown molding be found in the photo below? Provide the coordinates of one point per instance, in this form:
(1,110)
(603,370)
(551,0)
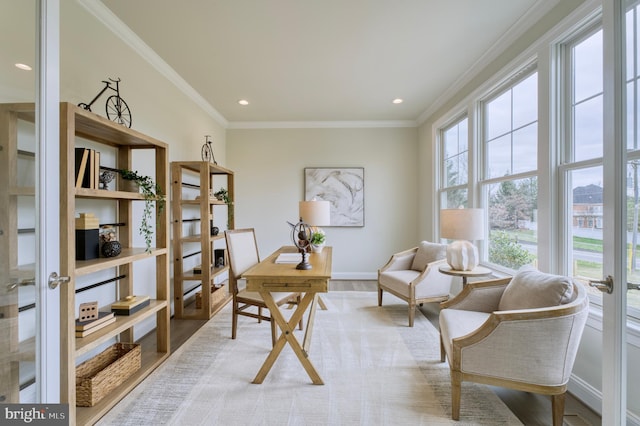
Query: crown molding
(320,124)
(119,29)
(522,25)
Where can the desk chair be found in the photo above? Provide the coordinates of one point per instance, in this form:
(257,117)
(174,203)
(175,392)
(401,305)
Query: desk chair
(243,254)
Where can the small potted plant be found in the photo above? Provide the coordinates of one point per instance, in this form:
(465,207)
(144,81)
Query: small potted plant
(222,195)
(317,241)
(152,193)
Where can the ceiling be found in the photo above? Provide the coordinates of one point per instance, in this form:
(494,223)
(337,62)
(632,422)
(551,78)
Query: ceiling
(325,60)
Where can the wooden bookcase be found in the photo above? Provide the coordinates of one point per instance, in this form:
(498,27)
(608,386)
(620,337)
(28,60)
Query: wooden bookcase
(78,123)
(194,209)
(17,276)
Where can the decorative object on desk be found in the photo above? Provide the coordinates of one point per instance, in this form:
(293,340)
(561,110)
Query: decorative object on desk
(152,193)
(111,249)
(343,188)
(316,213)
(301,235)
(464,226)
(207,151)
(130,305)
(106,176)
(87,238)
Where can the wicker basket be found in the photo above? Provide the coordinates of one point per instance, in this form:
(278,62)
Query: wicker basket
(99,375)
(218,294)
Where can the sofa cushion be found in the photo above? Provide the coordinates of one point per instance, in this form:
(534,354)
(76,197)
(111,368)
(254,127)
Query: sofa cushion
(530,288)
(398,281)
(427,253)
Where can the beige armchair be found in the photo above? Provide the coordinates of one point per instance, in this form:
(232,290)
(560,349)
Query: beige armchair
(413,276)
(521,333)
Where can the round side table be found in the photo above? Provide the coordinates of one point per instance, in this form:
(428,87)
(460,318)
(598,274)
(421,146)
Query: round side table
(478,271)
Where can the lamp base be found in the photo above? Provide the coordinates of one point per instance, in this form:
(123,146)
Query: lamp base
(304,265)
(462,255)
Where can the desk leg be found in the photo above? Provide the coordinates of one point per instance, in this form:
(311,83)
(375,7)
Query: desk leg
(287,336)
(321,303)
(306,342)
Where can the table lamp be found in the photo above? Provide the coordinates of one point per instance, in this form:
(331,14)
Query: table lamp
(312,214)
(464,226)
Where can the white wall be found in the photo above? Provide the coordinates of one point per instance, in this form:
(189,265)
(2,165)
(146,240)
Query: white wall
(269,182)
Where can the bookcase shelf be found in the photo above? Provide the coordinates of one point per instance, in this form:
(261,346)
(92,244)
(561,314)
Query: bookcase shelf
(78,123)
(192,184)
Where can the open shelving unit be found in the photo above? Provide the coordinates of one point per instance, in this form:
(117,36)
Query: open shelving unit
(193,203)
(78,124)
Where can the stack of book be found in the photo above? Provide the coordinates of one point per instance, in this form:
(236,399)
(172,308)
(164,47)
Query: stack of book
(84,328)
(130,305)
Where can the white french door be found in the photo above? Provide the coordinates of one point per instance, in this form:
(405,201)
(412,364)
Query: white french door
(29,226)
(616,195)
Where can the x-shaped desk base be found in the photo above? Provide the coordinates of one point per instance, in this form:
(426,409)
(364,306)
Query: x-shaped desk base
(287,336)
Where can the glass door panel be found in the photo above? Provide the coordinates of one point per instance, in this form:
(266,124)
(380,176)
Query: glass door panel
(18,298)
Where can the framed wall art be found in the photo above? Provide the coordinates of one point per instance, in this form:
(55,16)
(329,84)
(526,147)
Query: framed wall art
(343,187)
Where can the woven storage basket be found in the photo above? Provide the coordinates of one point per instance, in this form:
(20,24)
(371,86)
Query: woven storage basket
(217,296)
(98,376)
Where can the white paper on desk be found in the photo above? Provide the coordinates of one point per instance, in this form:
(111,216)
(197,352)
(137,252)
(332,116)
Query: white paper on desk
(289,258)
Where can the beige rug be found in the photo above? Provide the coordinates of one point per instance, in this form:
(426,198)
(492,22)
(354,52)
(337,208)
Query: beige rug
(377,371)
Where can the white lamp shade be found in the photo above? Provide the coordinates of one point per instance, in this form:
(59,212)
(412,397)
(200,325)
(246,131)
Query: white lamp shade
(315,213)
(462,224)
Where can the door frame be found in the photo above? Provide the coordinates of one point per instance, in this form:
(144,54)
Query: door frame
(614,305)
(47,199)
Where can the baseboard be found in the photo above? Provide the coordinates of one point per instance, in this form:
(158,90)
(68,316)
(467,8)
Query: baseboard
(592,398)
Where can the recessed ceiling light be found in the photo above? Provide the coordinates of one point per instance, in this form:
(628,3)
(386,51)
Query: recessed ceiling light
(243,102)
(397,101)
(24,67)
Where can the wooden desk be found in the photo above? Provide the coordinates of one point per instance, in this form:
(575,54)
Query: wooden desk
(478,271)
(269,276)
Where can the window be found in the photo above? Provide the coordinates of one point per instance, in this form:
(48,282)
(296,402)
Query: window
(582,159)
(509,185)
(454,163)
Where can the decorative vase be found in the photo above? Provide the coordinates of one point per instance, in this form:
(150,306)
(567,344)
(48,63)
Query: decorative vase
(462,255)
(111,248)
(317,248)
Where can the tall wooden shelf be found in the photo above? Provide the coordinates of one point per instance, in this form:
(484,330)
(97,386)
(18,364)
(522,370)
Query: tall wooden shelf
(78,123)
(17,276)
(192,184)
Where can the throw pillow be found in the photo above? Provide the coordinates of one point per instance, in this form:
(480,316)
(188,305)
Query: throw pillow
(427,253)
(530,288)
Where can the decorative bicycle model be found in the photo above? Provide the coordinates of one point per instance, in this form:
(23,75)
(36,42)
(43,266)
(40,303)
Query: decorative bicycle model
(207,151)
(117,108)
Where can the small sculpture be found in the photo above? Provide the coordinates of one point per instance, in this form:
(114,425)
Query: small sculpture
(105,177)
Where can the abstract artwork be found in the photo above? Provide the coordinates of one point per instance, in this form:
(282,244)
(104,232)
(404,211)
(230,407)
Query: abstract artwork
(342,187)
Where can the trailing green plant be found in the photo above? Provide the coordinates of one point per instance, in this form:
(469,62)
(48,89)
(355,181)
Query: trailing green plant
(152,193)
(223,195)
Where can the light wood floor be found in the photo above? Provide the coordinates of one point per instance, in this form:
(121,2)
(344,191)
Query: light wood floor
(531,409)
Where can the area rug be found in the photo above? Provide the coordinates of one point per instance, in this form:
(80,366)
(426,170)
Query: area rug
(376,370)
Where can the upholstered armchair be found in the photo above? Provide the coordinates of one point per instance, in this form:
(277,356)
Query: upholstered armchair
(413,276)
(520,333)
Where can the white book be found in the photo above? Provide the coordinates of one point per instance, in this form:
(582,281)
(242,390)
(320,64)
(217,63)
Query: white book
(289,258)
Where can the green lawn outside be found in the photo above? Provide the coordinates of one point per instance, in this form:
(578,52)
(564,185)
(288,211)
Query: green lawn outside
(584,270)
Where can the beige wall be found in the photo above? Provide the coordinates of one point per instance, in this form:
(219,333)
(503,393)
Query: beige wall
(269,166)
(90,53)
